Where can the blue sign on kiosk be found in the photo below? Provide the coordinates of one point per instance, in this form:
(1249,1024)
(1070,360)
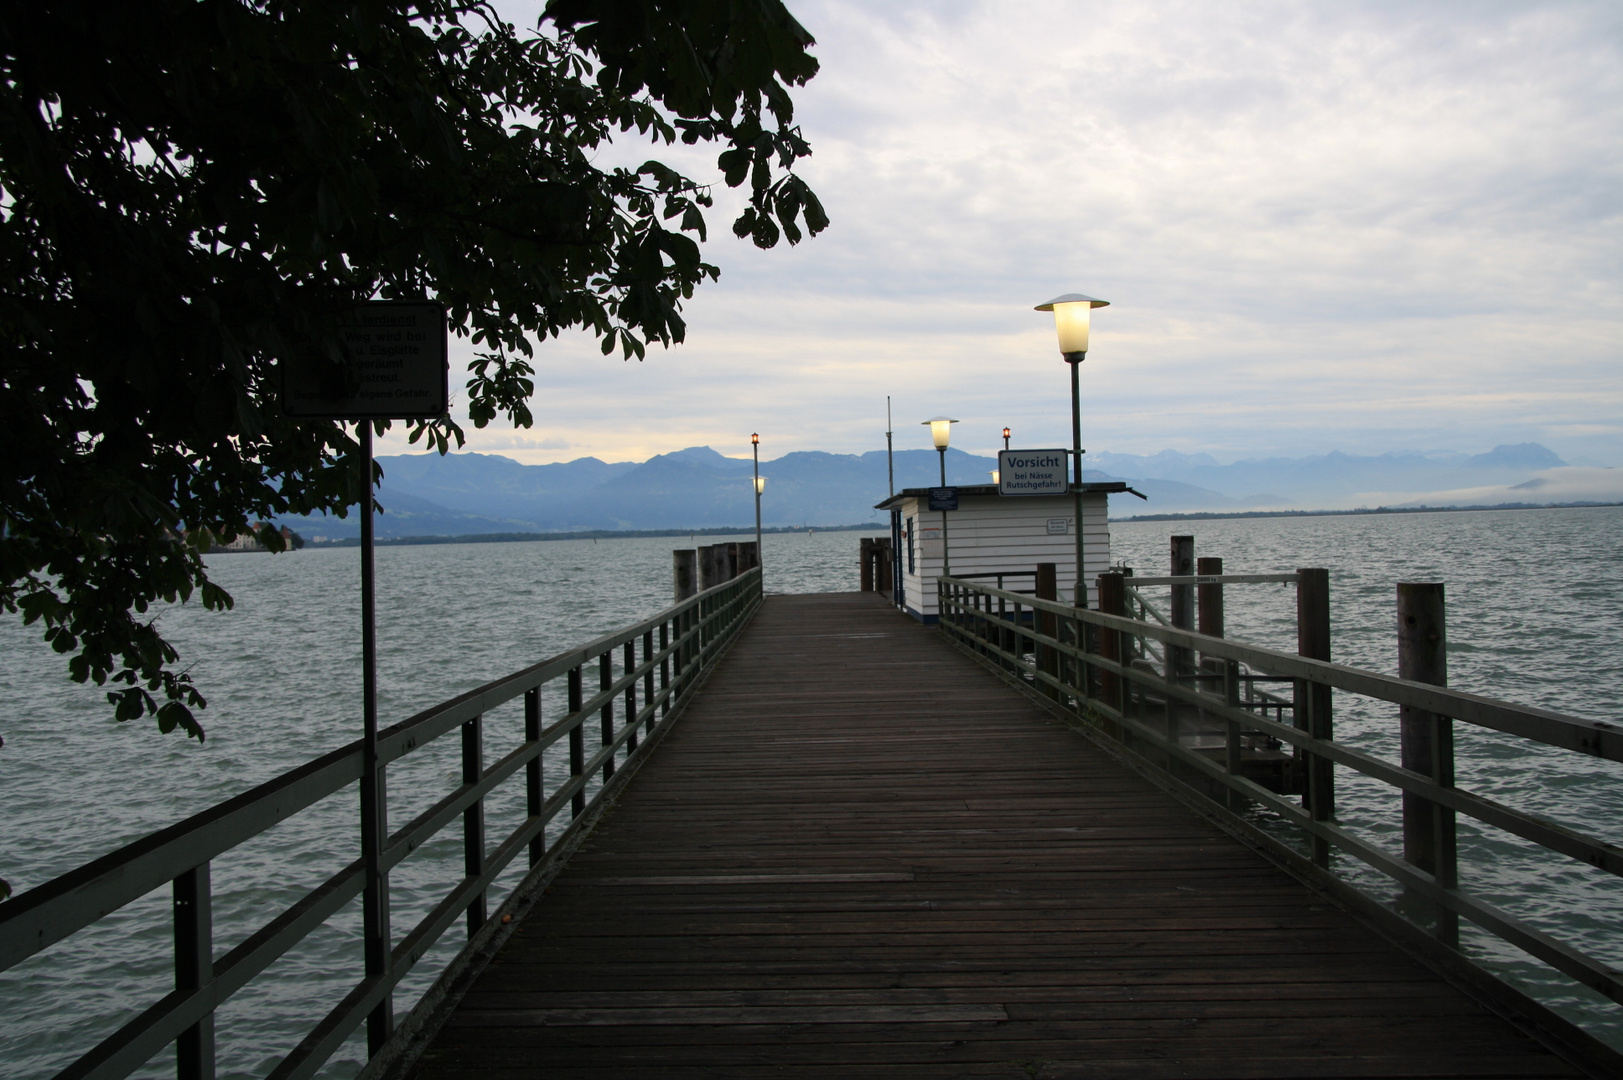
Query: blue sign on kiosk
(944,498)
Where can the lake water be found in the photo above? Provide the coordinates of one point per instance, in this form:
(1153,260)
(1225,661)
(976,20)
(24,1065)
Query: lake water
(1535,615)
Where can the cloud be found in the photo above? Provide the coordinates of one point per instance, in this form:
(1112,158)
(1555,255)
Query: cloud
(1362,226)
(1560,485)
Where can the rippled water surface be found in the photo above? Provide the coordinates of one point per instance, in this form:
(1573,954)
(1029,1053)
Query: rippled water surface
(1535,615)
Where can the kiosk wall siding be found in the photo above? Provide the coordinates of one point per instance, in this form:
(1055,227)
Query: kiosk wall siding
(986,535)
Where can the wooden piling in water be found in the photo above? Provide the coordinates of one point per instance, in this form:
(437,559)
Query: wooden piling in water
(1427,742)
(1312,700)
(684,573)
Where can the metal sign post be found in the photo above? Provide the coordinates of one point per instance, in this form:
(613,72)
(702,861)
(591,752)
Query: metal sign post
(393,367)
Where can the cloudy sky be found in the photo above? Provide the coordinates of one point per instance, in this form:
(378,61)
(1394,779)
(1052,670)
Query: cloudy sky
(1350,226)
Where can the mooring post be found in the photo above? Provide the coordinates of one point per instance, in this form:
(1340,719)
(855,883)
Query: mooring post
(734,565)
(1312,700)
(685,573)
(865,563)
(1427,743)
(882,556)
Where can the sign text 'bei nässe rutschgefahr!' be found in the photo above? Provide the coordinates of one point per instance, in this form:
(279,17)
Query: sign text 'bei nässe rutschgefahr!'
(1033,472)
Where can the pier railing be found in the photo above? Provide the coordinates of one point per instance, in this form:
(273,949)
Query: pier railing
(646,672)
(1100,668)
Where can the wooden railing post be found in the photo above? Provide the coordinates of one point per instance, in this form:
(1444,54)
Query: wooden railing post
(1181,613)
(665,667)
(1113,643)
(1209,602)
(194,968)
(628,665)
(605,679)
(1044,623)
(648,679)
(577,741)
(533,791)
(1427,742)
(1312,700)
(1210,597)
(473,818)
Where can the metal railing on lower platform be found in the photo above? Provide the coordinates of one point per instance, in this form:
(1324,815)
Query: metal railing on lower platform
(1091,665)
(649,670)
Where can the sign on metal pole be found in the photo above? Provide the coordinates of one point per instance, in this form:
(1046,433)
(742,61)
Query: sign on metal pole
(1033,472)
(944,498)
(394,367)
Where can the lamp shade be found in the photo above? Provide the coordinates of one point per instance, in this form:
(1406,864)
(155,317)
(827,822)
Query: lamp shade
(755,439)
(940,430)
(995,474)
(760,484)
(1071,318)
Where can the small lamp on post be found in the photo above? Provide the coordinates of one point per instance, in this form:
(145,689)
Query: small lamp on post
(940,433)
(1072,313)
(760,486)
(1005,438)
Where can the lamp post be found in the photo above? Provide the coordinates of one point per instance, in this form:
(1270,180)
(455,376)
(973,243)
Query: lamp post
(760,485)
(940,432)
(1071,316)
(1005,438)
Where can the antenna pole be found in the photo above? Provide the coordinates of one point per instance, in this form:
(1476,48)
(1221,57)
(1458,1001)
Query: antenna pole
(890,464)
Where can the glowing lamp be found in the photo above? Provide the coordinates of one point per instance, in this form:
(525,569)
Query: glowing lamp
(1071,317)
(940,430)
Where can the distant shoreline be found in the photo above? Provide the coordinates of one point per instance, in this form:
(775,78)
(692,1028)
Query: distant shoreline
(627,534)
(588,534)
(1213,515)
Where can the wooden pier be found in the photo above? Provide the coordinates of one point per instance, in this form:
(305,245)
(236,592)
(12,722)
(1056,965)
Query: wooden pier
(859,854)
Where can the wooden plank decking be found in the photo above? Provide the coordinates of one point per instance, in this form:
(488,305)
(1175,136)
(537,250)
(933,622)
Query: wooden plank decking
(860,855)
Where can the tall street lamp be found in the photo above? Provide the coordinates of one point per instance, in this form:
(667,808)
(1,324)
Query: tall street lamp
(760,485)
(1071,315)
(940,432)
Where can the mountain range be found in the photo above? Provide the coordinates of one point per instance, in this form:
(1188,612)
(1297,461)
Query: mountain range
(470,493)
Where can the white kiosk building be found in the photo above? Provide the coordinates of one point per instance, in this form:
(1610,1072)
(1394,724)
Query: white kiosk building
(991,534)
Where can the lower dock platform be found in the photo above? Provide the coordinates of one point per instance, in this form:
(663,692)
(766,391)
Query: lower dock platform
(861,855)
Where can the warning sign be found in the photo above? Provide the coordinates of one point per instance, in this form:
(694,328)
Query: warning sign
(394,367)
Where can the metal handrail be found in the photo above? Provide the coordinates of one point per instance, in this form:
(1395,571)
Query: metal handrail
(1108,696)
(692,636)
